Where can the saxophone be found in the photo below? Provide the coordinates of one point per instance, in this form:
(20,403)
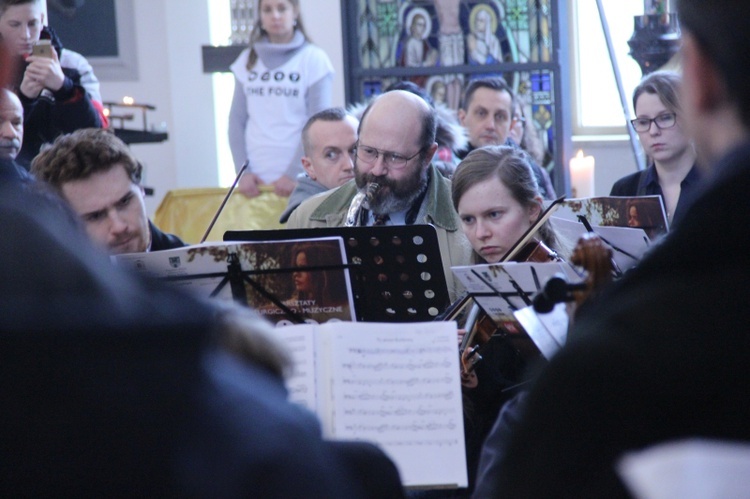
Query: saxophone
(355,208)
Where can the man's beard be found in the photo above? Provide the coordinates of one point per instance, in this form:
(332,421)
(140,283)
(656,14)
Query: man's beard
(392,196)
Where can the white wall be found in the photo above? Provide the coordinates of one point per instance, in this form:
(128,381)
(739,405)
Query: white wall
(323,25)
(169,35)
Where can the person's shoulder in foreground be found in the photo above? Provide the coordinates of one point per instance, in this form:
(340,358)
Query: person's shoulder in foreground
(128,370)
(662,356)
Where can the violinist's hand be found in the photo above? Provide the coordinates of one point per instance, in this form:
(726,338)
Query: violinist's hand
(42,72)
(468,374)
(469,379)
(461,334)
(249,185)
(284,186)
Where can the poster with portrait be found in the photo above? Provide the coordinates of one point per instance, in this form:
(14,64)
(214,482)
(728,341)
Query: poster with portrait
(638,212)
(285,281)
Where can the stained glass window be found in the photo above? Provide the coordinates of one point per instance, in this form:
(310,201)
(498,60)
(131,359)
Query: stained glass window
(442,44)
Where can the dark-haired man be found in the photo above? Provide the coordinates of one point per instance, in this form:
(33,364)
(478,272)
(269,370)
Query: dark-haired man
(328,140)
(663,356)
(487,114)
(101,180)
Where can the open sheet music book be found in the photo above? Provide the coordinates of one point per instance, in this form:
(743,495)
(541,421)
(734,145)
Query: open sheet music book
(397,385)
(263,271)
(505,292)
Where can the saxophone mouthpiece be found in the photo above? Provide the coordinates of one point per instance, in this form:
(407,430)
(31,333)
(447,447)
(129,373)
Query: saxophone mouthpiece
(370,191)
(362,198)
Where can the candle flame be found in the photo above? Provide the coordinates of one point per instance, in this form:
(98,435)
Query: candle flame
(106,111)
(580,153)
(128,101)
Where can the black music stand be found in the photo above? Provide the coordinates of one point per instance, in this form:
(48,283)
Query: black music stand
(396,271)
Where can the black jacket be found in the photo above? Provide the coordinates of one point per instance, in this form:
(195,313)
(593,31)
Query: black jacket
(662,356)
(646,183)
(69,109)
(161,241)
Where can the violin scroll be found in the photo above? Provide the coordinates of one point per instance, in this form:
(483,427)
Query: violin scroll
(593,255)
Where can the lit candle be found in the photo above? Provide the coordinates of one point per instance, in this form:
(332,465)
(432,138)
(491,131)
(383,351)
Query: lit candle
(582,175)
(128,101)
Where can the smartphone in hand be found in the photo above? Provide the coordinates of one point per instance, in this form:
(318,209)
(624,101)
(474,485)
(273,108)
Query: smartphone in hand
(43,48)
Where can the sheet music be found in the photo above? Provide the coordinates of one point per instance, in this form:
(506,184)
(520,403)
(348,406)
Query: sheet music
(399,385)
(300,344)
(547,331)
(316,295)
(511,287)
(613,211)
(693,468)
(207,258)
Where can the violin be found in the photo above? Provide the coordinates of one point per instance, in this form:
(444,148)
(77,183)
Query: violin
(590,254)
(480,327)
(536,251)
(595,257)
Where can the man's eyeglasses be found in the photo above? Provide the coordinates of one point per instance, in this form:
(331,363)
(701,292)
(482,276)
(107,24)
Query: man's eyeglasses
(666,120)
(391,159)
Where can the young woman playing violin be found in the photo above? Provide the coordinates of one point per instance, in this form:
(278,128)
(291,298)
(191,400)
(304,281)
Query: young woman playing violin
(497,199)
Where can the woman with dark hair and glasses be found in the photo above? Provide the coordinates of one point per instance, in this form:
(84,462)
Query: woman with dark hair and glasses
(672,173)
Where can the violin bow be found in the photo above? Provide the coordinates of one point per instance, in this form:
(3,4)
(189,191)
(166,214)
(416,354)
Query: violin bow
(531,231)
(224,202)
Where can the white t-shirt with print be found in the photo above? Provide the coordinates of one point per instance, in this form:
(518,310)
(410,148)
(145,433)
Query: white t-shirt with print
(277,107)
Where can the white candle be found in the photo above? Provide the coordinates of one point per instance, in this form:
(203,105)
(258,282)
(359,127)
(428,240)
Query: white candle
(582,175)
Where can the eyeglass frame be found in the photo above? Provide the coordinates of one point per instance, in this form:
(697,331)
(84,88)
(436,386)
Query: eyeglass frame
(653,121)
(380,152)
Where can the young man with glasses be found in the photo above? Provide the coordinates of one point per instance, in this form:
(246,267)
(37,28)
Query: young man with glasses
(395,147)
(672,173)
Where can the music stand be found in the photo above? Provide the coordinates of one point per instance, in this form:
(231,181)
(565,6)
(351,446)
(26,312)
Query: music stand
(263,275)
(396,271)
